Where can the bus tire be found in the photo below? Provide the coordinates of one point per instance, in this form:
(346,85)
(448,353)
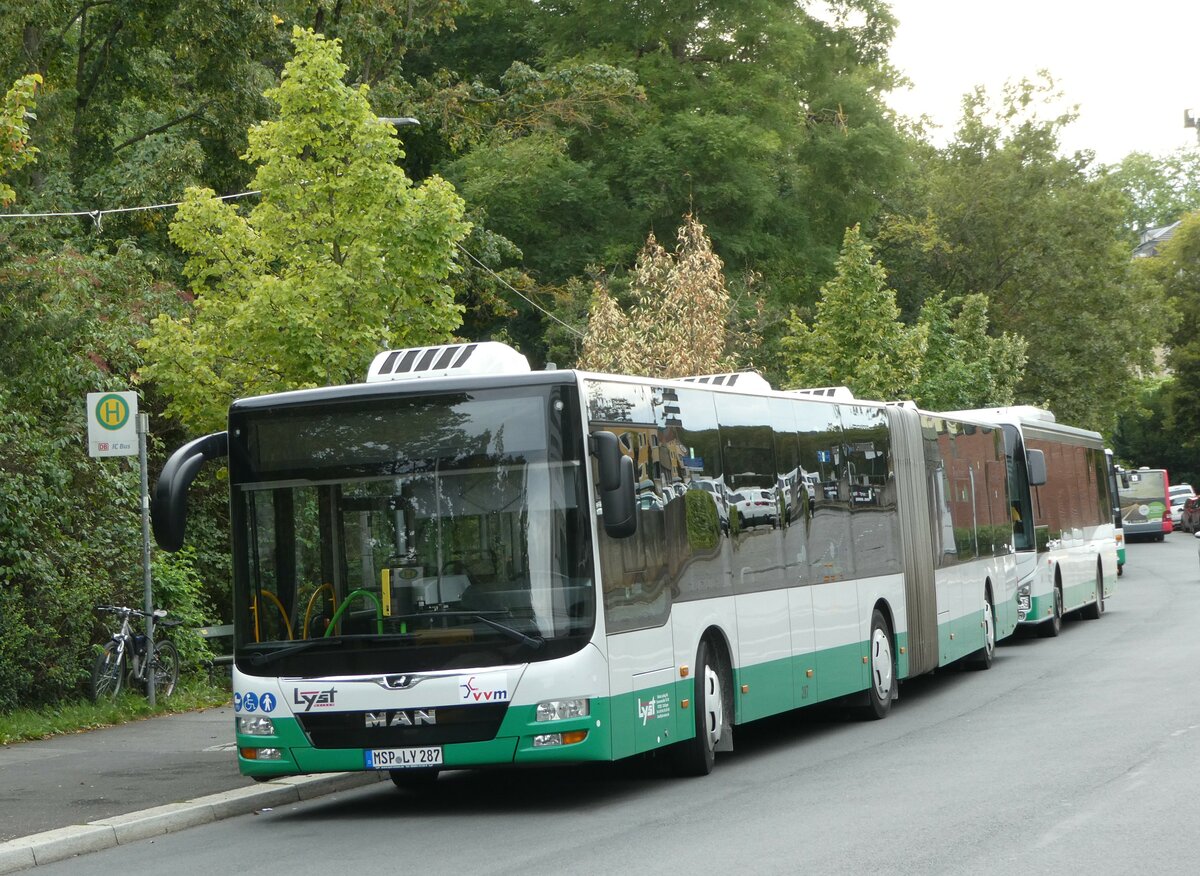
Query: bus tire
(881,688)
(1053,627)
(982,659)
(695,756)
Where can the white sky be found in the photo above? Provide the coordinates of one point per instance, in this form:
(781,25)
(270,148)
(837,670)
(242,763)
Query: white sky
(1133,68)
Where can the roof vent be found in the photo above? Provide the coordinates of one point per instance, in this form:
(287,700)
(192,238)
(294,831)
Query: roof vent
(837,393)
(740,379)
(485,357)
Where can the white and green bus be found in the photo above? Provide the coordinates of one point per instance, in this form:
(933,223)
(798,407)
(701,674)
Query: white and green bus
(1065,539)
(463,563)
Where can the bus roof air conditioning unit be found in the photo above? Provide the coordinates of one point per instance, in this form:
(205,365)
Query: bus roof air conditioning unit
(484,357)
(741,379)
(837,393)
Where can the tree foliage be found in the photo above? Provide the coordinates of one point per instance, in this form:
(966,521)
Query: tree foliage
(1176,269)
(340,257)
(677,324)
(1160,189)
(963,366)
(70,526)
(1000,212)
(856,338)
(16,113)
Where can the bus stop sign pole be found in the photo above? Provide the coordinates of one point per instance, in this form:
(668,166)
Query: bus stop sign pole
(143,427)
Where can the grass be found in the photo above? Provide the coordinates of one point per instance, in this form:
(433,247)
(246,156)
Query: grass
(22,725)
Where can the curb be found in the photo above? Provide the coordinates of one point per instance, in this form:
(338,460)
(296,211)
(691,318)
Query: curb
(61,843)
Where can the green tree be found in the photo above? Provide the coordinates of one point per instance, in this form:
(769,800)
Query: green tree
(140,100)
(763,117)
(70,526)
(1000,212)
(963,367)
(15,115)
(340,257)
(1176,269)
(856,338)
(1160,189)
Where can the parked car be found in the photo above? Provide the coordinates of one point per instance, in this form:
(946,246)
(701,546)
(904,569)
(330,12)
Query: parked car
(756,507)
(1189,519)
(1178,500)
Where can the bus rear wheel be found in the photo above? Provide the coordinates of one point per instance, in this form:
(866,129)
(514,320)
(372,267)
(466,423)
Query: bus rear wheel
(695,756)
(882,687)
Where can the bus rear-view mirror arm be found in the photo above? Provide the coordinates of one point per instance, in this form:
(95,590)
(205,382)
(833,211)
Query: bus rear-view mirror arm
(617,494)
(168,507)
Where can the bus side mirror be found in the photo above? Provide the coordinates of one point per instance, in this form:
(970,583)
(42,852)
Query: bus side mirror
(168,507)
(617,494)
(1037,467)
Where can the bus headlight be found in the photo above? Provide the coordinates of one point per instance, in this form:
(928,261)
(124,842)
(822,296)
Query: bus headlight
(560,710)
(255,725)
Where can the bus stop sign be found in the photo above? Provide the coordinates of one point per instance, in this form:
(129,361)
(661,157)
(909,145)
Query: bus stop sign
(112,423)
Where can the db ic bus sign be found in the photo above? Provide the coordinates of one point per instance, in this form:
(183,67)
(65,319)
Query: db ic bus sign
(112,423)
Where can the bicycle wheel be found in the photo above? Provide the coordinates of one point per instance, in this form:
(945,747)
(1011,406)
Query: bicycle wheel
(108,674)
(166,668)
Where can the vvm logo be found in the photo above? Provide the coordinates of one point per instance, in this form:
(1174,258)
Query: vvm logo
(112,412)
(471,692)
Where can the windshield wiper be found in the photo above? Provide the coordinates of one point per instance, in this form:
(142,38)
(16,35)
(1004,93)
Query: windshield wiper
(534,642)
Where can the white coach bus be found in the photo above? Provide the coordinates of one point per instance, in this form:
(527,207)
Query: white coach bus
(1066,541)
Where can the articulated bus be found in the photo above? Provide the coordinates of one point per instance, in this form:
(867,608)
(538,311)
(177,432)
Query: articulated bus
(464,563)
(1145,503)
(1065,539)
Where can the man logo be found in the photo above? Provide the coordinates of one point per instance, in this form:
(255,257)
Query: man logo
(401,718)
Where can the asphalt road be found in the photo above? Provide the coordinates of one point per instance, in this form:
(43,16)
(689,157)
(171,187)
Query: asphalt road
(1075,754)
(83,777)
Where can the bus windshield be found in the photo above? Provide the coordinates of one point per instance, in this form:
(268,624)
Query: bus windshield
(410,533)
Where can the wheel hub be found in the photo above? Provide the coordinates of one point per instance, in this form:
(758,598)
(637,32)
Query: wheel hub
(881,664)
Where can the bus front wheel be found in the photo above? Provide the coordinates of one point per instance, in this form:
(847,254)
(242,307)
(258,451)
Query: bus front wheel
(982,659)
(1053,627)
(695,756)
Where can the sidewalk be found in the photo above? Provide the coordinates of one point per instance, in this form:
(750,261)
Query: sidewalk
(73,794)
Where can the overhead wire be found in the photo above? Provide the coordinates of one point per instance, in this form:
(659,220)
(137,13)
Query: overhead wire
(97,216)
(517,292)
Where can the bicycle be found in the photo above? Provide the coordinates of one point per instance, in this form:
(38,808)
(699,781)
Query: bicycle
(124,657)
